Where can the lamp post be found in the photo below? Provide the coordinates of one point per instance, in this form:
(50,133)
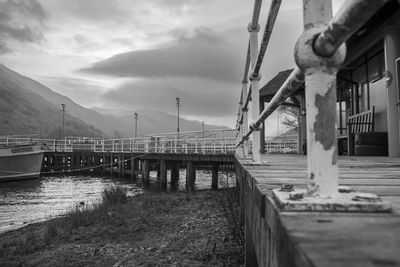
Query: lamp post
(63,123)
(63,129)
(202,126)
(136,118)
(178,104)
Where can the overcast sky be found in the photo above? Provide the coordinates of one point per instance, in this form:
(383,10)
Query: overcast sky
(132,54)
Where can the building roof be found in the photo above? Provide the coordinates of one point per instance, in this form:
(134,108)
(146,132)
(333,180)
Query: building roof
(269,90)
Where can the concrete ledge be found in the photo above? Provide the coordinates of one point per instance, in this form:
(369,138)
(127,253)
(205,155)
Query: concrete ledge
(297,200)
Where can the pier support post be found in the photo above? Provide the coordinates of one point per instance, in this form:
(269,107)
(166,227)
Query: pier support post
(133,168)
(119,158)
(72,162)
(174,174)
(103,160)
(122,165)
(146,172)
(190,175)
(111,164)
(158,168)
(163,174)
(214,181)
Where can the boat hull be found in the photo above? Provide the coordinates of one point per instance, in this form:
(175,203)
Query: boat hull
(20,163)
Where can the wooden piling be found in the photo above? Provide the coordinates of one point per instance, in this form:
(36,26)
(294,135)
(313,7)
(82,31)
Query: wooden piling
(190,175)
(214,181)
(111,164)
(133,168)
(163,174)
(174,174)
(122,170)
(146,172)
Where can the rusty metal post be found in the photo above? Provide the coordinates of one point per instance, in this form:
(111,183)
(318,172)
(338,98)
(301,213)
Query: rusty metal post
(245,123)
(255,87)
(320,79)
(255,112)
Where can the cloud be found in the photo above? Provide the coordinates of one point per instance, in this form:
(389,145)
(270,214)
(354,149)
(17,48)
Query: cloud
(199,97)
(91,10)
(20,20)
(77,89)
(206,54)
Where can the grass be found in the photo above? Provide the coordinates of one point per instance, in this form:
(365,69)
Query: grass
(135,231)
(108,211)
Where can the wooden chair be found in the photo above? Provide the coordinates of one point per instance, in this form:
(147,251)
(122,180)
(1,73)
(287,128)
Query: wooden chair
(359,123)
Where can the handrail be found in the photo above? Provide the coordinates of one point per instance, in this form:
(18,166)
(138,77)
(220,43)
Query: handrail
(273,13)
(159,144)
(350,17)
(292,83)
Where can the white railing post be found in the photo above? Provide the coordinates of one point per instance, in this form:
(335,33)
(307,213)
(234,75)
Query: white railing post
(255,87)
(320,79)
(175,144)
(146,144)
(255,112)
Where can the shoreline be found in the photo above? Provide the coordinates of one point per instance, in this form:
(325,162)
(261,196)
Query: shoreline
(152,229)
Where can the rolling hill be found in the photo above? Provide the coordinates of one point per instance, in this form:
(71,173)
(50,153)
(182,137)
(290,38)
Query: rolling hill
(26,106)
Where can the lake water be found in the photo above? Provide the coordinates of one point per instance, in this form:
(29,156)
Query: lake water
(29,201)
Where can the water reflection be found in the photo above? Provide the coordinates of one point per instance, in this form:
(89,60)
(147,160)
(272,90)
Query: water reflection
(24,202)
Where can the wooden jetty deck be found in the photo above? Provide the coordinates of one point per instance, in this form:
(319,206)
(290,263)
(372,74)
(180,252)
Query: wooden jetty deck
(278,238)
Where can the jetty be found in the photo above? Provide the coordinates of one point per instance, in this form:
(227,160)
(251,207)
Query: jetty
(332,196)
(322,209)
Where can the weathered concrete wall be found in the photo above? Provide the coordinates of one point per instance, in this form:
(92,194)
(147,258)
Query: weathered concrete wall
(267,240)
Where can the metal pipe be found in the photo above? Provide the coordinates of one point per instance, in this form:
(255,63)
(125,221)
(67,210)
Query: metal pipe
(320,81)
(292,83)
(256,13)
(273,13)
(350,17)
(247,64)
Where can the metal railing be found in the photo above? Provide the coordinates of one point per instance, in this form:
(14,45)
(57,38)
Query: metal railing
(282,144)
(18,140)
(159,144)
(199,142)
(319,52)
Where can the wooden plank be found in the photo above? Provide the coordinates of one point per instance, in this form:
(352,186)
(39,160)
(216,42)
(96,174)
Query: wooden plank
(337,239)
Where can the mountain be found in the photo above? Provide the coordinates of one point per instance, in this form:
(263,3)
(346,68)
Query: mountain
(22,111)
(26,106)
(152,122)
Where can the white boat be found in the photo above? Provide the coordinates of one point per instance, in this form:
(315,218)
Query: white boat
(20,160)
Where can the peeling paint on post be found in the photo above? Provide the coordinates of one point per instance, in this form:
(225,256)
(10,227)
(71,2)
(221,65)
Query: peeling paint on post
(255,112)
(245,124)
(320,79)
(255,87)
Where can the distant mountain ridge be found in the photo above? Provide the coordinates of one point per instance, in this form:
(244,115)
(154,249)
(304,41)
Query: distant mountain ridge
(24,111)
(27,106)
(152,121)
